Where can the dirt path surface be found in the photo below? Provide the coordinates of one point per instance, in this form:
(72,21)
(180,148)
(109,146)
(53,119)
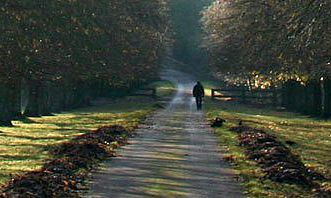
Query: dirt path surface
(175,154)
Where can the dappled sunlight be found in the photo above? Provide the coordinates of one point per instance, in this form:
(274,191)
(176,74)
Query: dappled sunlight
(70,70)
(174,154)
(312,138)
(25,146)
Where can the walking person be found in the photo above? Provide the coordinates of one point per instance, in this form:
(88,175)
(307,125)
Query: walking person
(198,93)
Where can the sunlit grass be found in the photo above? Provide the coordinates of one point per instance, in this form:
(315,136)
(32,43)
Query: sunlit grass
(163,88)
(312,137)
(25,147)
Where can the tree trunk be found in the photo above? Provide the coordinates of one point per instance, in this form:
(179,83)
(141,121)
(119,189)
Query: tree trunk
(33,108)
(5,112)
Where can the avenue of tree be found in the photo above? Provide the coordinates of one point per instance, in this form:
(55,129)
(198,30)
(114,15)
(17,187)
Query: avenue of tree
(267,43)
(185,17)
(56,55)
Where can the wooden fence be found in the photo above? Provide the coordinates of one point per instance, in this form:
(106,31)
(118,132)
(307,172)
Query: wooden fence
(312,98)
(270,96)
(151,92)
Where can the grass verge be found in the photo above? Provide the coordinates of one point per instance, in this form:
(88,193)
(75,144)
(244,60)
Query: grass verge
(65,175)
(25,147)
(312,139)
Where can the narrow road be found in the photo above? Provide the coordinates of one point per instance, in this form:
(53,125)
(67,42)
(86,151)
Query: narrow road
(174,155)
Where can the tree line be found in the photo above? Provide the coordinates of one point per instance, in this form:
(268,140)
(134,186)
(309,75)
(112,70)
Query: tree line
(56,55)
(185,16)
(268,43)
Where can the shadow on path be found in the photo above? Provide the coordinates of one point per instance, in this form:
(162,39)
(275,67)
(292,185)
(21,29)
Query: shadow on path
(175,154)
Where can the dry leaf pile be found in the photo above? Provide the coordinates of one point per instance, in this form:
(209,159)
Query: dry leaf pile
(276,160)
(63,176)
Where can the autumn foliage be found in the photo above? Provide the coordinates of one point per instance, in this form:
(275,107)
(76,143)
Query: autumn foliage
(60,54)
(273,44)
(279,39)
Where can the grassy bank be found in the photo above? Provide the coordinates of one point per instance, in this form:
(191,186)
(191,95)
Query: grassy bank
(312,139)
(26,146)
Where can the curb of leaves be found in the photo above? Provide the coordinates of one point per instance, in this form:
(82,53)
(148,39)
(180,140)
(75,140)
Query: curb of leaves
(63,176)
(277,161)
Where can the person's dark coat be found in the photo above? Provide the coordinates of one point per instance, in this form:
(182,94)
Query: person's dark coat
(198,90)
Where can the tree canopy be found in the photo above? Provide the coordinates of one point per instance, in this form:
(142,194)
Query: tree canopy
(273,37)
(71,44)
(79,40)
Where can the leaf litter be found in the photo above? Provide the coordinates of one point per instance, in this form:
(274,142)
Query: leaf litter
(277,161)
(63,176)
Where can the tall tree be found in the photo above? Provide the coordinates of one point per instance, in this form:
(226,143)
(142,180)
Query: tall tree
(61,50)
